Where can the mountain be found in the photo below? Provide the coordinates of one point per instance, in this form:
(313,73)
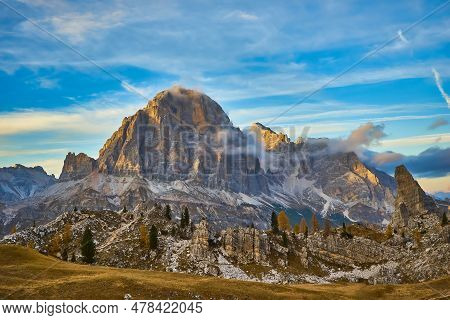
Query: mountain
(20,182)
(354,253)
(182,149)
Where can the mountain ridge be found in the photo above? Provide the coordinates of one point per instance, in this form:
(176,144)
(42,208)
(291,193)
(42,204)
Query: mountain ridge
(183,149)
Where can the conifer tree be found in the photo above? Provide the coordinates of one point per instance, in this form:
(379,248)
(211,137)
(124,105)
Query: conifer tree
(34,223)
(184,222)
(283,221)
(314,223)
(285,240)
(88,246)
(444,219)
(274,222)
(153,238)
(65,255)
(73,259)
(327,228)
(167,212)
(417,237)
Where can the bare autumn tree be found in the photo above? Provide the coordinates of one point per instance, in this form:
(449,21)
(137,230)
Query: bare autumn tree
(144,238)
(283,221)
(13,229)
(55,245)
(303,226)
(297,229)
(67,234)
(388,232)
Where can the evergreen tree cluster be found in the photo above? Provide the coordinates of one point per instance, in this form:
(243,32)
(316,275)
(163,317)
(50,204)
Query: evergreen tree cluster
(185,219)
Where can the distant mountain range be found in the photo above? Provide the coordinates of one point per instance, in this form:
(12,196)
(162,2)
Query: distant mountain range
(182,149)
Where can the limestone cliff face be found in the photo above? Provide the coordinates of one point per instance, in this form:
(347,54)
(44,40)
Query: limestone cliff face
(245,245)
(77,166)
(183,135)
(199,242)
(411,202)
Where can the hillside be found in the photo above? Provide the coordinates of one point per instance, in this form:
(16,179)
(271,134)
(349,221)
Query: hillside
(26,274)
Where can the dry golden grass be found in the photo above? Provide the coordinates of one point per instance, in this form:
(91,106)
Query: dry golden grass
(26,274)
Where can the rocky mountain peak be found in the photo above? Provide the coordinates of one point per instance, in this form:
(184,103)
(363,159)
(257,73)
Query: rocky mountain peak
(77,166)
(186,107)
(271,139)
(410,193)
(411,201)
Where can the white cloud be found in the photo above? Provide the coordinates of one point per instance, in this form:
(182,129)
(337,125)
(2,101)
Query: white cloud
(47,83)
(76,26)
(402,37)
(417,140)
(73,120)
(438,81)
(242,15)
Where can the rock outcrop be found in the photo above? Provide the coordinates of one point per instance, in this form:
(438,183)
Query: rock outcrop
(77,166)
(245,245)
(411,204)
(200,241)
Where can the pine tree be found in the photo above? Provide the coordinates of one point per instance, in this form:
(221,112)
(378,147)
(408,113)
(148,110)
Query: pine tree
(73,259)
(327,228)
(303,227)
(167,212)
(274,223)
(297,229)
(314,223)
(88,246)
(144,237)
(285,240)
(283,221)
(444,219)
(125,209)
(153,238)
(65,255)
(417,237)
(34,223)
(184,222)
(75,209)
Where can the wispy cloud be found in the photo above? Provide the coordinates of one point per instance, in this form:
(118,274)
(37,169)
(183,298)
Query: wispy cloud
(417,140)
(241,15)
(438,81)
(47,83)
(439,122)
(72,120)
(402,37)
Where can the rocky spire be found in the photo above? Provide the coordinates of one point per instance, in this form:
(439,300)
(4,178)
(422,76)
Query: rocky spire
(77,166)
(411,200)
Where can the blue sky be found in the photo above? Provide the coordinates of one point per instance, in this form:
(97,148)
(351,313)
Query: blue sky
(256,59)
